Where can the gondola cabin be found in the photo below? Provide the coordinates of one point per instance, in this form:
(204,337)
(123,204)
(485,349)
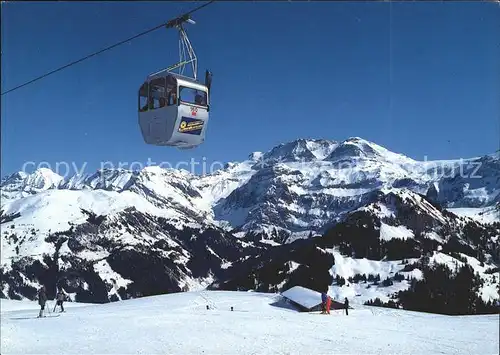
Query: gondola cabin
(173,110)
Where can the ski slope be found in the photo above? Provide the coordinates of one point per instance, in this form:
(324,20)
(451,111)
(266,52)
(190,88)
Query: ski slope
(260,323)
(484,214)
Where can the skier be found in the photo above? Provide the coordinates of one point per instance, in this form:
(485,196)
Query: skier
(42,299)
(328,304)
(60,297)
(323,302)
(346,306)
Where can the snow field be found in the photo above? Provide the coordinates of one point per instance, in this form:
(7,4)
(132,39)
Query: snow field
(260,324)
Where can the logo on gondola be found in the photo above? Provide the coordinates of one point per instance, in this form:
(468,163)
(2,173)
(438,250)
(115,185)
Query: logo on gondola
(191,125)
(194,110)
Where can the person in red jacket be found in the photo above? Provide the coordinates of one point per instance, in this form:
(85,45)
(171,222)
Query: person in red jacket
(328,304)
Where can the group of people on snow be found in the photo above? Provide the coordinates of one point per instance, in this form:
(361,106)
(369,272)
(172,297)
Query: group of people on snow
(326,302)
(42,300)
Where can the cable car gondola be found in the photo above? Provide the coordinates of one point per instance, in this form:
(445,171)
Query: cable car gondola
(173,108)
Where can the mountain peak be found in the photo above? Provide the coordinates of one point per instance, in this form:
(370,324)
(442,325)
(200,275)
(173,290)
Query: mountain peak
(42,178)
(153,169)
(167,171)
(305,150)
(255,156)
(19,175)
(356,139)
(22,184)
(301,150)
(352,148)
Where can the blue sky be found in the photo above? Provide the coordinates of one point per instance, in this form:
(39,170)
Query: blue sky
(421,79)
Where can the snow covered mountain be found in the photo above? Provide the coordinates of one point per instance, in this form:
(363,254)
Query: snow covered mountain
(297,187)
(117,233)
(476,185)
(381,250)
(21,184)
(126,252)
(306,185)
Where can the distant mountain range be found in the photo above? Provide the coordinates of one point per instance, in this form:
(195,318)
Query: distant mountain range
(306,212)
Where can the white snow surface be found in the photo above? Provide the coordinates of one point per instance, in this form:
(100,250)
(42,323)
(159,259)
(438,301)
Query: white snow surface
(303,296)
(388,232)
(260,324)
(348,267)
(21,184)
(49,208)
(54,210)
(361,292)
(480,214)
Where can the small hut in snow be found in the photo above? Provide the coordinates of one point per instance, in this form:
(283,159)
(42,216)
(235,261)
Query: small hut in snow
(307,300)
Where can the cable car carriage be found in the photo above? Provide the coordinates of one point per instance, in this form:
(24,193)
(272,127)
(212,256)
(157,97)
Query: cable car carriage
(173,108)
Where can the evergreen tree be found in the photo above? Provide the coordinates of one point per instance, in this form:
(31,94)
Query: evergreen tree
(340,280)
(442,291)
(387,282)
(399,277)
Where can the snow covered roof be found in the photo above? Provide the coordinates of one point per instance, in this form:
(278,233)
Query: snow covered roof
(305,297)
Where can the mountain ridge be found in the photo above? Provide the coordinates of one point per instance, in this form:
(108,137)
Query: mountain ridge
(304,168)
(89,233)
